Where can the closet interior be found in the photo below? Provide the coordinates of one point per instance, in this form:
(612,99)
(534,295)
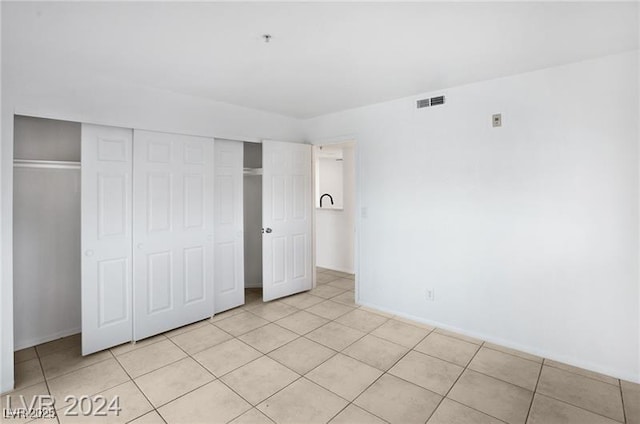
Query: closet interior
(46,230)
(252,222)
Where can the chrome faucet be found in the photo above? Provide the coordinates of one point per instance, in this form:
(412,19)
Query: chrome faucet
(326,194)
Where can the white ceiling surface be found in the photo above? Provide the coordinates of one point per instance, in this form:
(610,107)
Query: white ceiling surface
(324,57)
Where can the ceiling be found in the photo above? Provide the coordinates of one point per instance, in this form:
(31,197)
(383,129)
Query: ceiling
(322,58)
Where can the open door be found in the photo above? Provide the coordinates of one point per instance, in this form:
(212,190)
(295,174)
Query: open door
(228,227)
(106,237)
(287,219)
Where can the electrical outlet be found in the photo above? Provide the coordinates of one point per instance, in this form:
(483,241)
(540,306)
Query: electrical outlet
(430,295)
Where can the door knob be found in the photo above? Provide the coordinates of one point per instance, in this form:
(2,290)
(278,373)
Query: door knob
(268,230)
(140,246)
(89,253)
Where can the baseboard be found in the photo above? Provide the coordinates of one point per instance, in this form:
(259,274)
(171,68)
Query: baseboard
(23,344)
(333,268)
(253,285)
(7,389)
(615,373)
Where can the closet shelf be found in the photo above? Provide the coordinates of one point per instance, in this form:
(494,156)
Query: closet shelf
(51,164)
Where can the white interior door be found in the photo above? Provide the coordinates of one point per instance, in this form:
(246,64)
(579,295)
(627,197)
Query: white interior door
(106,237)
(228,209)
(173,231)
(287,218)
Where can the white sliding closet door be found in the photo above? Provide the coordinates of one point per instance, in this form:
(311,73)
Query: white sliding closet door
(173,231)
(286,215)
(106,237)
(229,243)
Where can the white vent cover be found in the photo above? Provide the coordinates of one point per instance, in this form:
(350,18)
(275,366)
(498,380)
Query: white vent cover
(433,101)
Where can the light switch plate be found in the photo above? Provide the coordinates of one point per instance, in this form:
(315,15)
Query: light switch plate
(430,294)
(497,120)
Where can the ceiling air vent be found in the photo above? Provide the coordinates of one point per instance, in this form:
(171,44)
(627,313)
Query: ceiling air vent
(434,101)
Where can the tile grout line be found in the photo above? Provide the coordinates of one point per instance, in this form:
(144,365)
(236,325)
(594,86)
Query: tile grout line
(215,378)
(135,345)
(475,409)
(511,354)
(84,367)
(581,375)
(454,363)
(492,376)
(456,382)
(350,402)
(46,383)
(624,413)
(150,371)
(173,362)
(140,390)
(77,369)
(579,407)
(110,387)
(535,391)
(386,372)
(263,400)
(383,374)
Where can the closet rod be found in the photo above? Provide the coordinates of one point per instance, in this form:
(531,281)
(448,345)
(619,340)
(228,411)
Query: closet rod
(252,171)
(51,164)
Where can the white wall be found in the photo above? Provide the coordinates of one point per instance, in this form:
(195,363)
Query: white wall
(46,249)
(527,233)
(330,180)
(91,99)
(335,228)
(252,195)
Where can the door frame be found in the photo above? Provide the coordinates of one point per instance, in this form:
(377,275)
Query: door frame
(347,138)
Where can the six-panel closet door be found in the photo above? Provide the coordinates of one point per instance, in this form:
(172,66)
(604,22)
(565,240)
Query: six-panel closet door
(287,218)
(106,237)
(229,243)
(173,231)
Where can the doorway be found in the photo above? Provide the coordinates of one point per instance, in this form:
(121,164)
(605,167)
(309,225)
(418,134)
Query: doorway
(335,213)
(252,211)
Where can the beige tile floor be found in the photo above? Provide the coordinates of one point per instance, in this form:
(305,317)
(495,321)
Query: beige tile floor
(317,357)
